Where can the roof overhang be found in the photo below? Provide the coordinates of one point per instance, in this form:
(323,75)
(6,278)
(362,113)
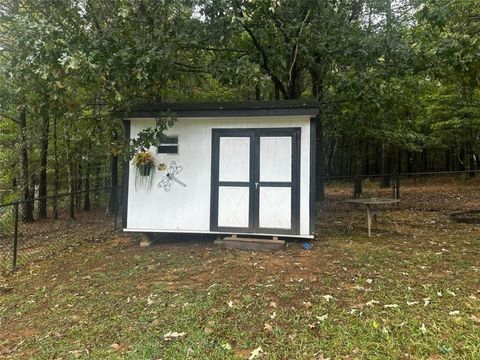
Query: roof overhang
(226,109)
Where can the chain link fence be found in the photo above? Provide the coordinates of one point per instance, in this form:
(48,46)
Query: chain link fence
(430,191)
(39,228)
(71,219)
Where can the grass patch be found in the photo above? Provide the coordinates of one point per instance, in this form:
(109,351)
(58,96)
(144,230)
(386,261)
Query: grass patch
(412,291)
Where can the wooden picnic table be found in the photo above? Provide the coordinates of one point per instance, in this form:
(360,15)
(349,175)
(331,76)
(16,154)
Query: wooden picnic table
(372,207)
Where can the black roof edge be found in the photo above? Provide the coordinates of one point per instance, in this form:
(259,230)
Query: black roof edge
(226,109)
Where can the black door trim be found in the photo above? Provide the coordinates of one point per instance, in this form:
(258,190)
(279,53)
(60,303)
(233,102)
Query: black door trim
(254,134)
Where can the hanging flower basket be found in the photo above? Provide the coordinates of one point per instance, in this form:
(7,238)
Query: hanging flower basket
(144,170)
(144,163)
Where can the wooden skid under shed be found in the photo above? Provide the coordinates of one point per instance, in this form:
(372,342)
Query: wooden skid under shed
(252,244)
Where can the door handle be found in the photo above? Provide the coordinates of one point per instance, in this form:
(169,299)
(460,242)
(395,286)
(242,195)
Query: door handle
(256,186)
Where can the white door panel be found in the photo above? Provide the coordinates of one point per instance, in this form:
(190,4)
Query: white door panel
(276,158)
(275,207)
(233,206)
(234,163)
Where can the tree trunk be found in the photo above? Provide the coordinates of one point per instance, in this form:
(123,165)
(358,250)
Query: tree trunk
(410,156)
(317,91)
(257,92)
(27,211)
(448,158)
(385,182)
(56,168)
(399,161)
(42,181)
(349,164)
(424,160)
(470,160)
(88,167)
(377,160)
(97,185)
(388,177)
(71,189)
(113,203)
(86,200)
(78,186)
(358,182)
(319,161)
(366,161)
(71,185)
(342,156)
(331,155)
(461,159)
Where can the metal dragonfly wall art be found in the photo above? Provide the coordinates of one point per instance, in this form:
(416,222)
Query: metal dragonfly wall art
(171,177)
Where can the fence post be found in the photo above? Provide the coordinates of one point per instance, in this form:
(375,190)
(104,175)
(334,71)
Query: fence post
(15,237)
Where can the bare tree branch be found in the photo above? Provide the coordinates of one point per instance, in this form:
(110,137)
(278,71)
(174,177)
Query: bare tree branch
(264,63)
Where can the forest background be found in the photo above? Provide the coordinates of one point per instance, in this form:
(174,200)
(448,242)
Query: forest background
(397,80)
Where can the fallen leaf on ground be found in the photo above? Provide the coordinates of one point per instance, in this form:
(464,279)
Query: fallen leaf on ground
(118,347)
(321,357)
(390,306)
(76,353)
(174,335)
(323,317)
(256,353)
(226,346)
(476,319)
(327,297)
(307,304)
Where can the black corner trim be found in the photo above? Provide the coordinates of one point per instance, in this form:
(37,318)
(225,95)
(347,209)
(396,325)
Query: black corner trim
(313,173)
(126,177)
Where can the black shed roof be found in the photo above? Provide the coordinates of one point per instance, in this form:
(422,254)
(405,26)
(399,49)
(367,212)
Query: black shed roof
(227,109)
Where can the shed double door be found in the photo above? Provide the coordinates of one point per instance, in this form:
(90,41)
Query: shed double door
(255,181)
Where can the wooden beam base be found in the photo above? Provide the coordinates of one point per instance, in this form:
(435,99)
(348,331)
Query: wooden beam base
(252,244)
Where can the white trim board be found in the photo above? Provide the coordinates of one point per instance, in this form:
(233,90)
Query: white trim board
(216,233)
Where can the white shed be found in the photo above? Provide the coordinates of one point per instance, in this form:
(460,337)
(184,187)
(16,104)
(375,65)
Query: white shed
(227,168)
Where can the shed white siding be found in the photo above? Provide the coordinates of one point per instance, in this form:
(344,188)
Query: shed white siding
(187,209)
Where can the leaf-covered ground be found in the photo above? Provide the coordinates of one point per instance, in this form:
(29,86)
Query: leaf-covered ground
(411,291)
